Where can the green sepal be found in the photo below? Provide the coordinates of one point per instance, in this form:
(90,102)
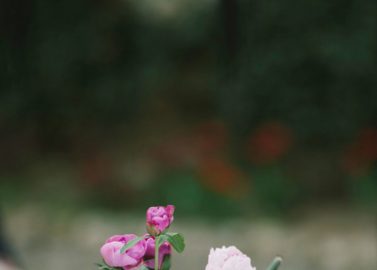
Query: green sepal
(131,243)
(104,266)
(101,266)
(161,239)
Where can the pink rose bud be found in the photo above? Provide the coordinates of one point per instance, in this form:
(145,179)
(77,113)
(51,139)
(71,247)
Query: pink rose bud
(131,259)
(228,258)
(164,250)
(159,219)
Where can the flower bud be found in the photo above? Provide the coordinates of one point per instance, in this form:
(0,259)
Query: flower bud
(159,219)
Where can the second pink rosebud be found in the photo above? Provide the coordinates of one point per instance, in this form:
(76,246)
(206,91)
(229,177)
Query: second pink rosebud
(149,257)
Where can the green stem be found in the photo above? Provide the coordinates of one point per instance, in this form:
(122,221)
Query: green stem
(156,253)
(275,263)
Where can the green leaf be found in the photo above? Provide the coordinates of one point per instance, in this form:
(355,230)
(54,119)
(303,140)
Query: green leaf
(177,241)
(166,263)
(130,244)
(143,267)
(275,263)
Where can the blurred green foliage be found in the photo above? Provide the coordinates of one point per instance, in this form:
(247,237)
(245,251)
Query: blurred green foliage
(81,77)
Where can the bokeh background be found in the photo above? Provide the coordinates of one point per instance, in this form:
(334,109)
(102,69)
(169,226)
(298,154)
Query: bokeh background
(257,119)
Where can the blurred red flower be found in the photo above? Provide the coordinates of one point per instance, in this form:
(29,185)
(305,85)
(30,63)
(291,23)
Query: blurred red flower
(269,142)
(360,155)
(222,177)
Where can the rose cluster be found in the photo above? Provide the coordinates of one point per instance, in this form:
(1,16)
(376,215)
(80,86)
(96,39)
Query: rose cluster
(141,251)
(153,250)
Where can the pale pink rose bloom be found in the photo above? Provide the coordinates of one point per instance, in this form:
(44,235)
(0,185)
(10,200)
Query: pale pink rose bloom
(131,259)
(228,258)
